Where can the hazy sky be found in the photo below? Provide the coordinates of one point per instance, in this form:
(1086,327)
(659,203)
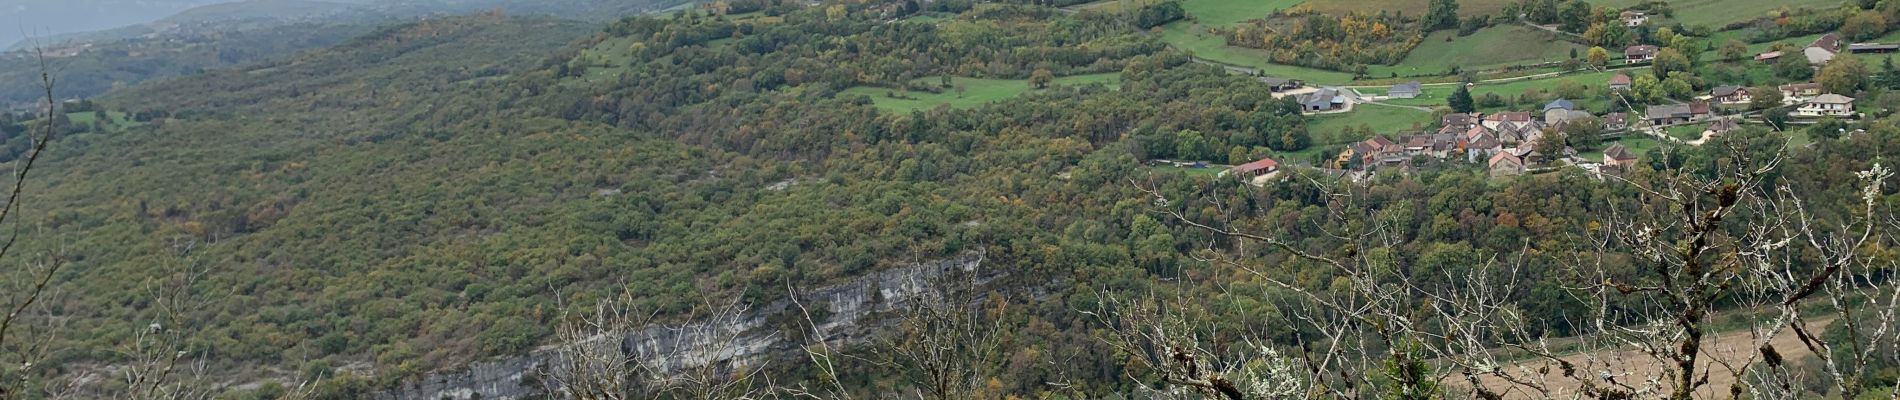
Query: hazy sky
(33,18)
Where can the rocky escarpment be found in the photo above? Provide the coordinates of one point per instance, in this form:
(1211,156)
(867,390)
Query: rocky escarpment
(850,314)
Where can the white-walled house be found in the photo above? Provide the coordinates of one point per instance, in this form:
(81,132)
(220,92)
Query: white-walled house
(1826,105)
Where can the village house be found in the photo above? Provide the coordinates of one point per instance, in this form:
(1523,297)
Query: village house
(1280,85)
(1406,90)
(1616,121)
(1827,105)
(1459,122)
(1768,57)
(1640,53)
(1561,112)
(1481,146)
(1823,49)
(1721,127)
(1514,134)
(1321,101)
(1633,18)
(1620,82)
(1501,119)
(1375,151)
(1667,114)
(1619,157)
(1435,145)
(1506,164)
(1254,169)
(1729,95)
(1801,91)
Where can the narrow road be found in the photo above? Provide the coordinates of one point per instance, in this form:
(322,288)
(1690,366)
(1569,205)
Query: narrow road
(1509,79)
(1551,29)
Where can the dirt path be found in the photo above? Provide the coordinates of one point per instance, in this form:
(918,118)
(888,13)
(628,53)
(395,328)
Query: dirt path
(1630,365)
(1551,29)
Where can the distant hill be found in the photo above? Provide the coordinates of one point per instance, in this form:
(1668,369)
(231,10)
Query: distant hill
(89,71)
(254,14)
(261,9)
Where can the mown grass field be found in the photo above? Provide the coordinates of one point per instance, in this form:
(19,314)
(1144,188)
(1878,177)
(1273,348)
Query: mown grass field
(1195,40)
(1687,132)
(976,91)
(1637,143)
(1382,119)
(1466,8)
(1228,12)
(1490,47)
(1110,5)
(1590,81)
(1716,13)
(1209,171)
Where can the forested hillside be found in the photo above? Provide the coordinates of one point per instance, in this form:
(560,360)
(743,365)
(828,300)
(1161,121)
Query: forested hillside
(119,64)
(431,194)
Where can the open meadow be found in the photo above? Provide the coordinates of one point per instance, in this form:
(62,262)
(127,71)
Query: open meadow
(1490,47)
(977,91)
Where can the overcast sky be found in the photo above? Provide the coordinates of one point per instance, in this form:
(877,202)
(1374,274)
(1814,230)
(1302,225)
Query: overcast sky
(34,18)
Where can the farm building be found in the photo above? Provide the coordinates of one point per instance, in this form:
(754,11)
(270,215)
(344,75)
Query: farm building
(1322,100)
(1677,113)
(1823,49)
(1768,57)
(1406,90)
(1729,94)
(1873,48)
(1253,169)
(1818,56)
(1280,85)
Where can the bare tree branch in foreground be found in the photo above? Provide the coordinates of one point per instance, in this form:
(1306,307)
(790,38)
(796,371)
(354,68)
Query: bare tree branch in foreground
(35,279)
(1688,247)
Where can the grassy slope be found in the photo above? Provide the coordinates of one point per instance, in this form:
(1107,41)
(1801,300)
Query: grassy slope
(977,91)
(1194,39)
(1715,13)
(1639,144)
(1228,12)
(1382,119)
(1591,81)
(1466,8)
(1490,47)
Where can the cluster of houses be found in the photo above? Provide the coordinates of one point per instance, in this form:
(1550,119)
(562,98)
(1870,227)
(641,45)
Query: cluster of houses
(1812,102)
(1826,47)
(1506,141)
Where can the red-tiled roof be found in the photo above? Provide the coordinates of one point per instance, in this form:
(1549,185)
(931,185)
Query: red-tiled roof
(1265,164)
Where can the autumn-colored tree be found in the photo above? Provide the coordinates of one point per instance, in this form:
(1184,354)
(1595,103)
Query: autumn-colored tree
(1598,57)
(1864,25)
(1670,60)
(1646,89)
(1041,78)
(1844,75)
(1764,97)
(1734,50)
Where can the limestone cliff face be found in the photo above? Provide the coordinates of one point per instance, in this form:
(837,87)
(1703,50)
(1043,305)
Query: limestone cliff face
(850,317)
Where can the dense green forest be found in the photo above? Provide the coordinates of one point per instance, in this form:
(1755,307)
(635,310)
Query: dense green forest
(426,195)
